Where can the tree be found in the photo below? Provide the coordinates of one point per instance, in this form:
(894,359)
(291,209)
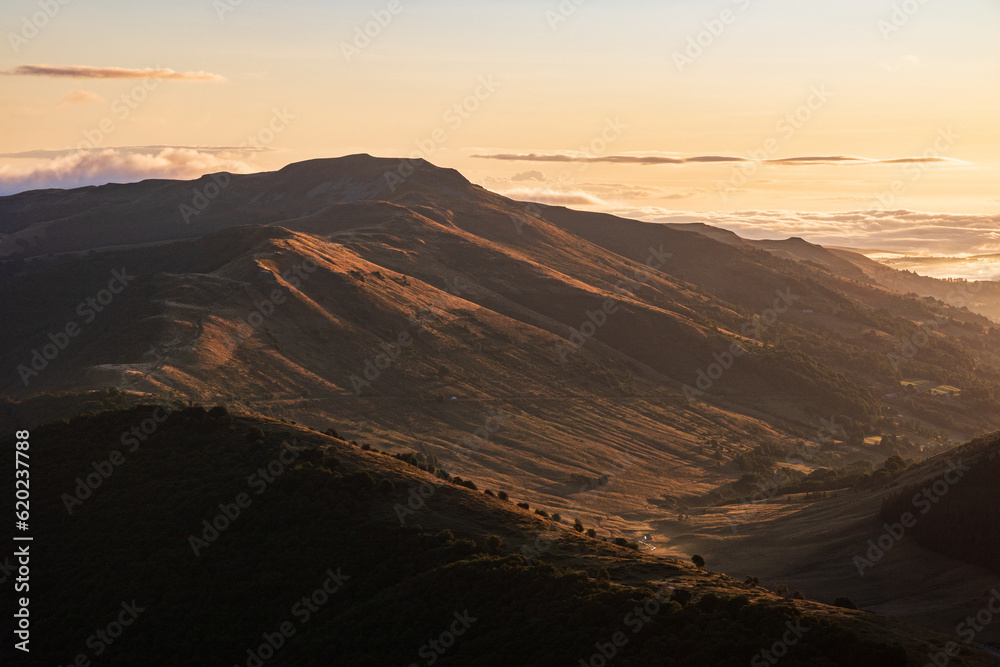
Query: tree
(845,603)
(698,561)
(577,526)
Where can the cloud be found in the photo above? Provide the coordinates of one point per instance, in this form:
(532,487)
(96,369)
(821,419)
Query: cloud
(528,176)
(80,97)
(615,159)
(670,159)
(848,159)
(241,152)
(111,165)
(906,231)
(86,72)
(554,197)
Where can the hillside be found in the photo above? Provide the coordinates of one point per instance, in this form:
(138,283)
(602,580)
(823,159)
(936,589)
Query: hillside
(917,543)
(659,383)
(958,513)
(300,548)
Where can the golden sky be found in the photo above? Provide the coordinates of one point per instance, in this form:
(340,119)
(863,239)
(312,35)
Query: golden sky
(676,109)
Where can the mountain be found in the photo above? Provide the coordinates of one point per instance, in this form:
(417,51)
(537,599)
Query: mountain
(244,540)
(646,379)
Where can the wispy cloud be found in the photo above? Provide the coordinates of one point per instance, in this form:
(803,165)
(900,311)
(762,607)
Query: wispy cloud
(528,176)
(86,72)
(554,197)
(615,159)
(670,159)
(80,97)
(109,165)
(222,151)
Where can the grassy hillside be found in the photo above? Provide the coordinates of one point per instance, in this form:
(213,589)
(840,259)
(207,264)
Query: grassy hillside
(956,512)
(212,534)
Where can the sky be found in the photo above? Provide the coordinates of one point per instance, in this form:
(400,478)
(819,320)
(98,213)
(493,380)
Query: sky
(861,123)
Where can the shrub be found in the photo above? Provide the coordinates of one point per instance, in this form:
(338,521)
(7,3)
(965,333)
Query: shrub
(525,506)
(845,603)
(621,541)
(218,412)
(254,434)
(682,596)
(698,561)
(502,495)
(542,513)
(591,532)
(577,526)
(493,544)
(385,486)
(557,517)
